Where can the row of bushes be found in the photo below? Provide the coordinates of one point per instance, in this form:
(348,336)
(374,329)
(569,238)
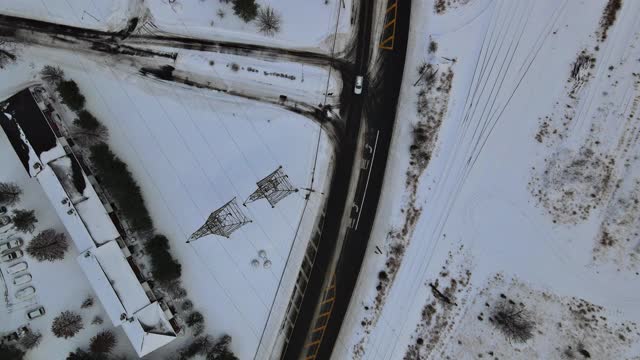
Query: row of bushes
(115,176)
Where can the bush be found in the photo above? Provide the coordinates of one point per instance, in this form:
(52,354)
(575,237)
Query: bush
(163,266)
(117,179)
(269,21)
(52,74)
(87,121)
(70,94)
(103,343)
(11,352)
(31,340)
(24,220)
(513,320)
(97,320)
(66,325)
(247,10)
(187,305)
(87,303)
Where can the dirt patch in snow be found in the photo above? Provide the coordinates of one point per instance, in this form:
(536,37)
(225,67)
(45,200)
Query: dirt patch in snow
(609,15)
(449,294)
(441,6)
(555,127)
(573,183)
(562,327)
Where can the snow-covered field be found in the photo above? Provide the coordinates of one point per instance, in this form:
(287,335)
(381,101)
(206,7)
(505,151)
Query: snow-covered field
(522,186)
(192,151)
(59,285)
(309,24)
(108,15)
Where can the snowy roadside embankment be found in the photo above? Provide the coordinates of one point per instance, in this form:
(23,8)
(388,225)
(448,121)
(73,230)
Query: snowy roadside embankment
(527,200)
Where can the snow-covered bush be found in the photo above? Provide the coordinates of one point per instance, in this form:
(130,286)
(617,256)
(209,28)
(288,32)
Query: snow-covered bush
(247,10)
(164,267)
(70,94)
(117,179)
(66,325)
(52,74)
(269,21)
(103,343)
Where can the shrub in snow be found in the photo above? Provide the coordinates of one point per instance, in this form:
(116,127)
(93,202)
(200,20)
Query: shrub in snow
(513,320)
(220,350)
(117,179)
(187,305)
(24,220)
(11,352)
(221,13)
(269,21)
(70,94)
(164,267)
(66,325)
(97,320)
(199,346)
(103,343)
(194,318)
(9,193)
(31,340)
(83,355)
(52,74)
(48,246)
(87,303)
(7,53)
(88,130)
(247,10)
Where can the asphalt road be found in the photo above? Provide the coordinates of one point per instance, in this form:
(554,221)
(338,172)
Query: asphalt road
(377,105)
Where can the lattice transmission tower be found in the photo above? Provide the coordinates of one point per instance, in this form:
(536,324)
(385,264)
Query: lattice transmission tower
(222,222)
(274,187)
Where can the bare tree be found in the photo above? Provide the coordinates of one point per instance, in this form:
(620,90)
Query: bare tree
(269,21)
(67,324)
(31,340)
(513,320)
(52,74)
(24,220)
(103,342)
(9,193)
(48,246)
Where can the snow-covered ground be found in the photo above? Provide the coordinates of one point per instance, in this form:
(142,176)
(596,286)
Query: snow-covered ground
(523,186)
(193,150)
(107,15)
(307,24)
(59,285)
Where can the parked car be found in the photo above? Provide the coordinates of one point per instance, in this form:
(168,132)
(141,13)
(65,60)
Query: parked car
(22,279)
(6,246)
(25,293)
(36,313)
(12,255)
(16,268)
(5,220)
(359,83)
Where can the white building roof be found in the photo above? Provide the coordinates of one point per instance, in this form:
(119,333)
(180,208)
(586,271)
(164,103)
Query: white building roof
(85,199)
(149,329)
(121,277)
(66,211)
(100,284)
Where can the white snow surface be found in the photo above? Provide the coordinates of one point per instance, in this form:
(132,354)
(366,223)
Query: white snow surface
(107,15)
(309,24)
(476,198)
(191,151)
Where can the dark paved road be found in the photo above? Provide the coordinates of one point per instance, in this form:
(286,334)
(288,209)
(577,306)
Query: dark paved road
(378,105)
